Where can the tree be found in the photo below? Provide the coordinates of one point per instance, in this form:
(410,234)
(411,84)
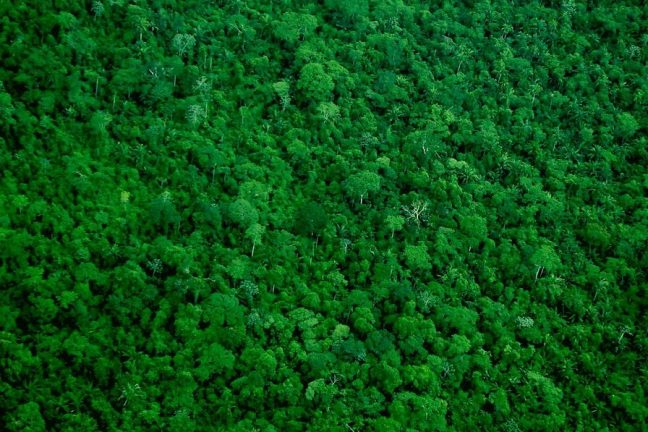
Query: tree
(545,258)
(196,115)
(139,19)
(242,213)
(360,184)
(163,211)
(388,377)
(627,125)
(97,9)
(474,227)
(328,112)
(99,123)
(183,43)
(417,257)
(395,223)
(416,212)
(350,11)
(315,84)
(310,219)
(214,359)
(255,234)
(28,418)
(282,89)
(295,26)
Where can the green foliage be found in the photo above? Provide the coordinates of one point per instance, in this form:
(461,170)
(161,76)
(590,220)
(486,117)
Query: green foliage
(27,418)
(345,215)
(417,257)
(292,26)
(255,234)
(310,219)
(162,210)
(315,84)
(359,185)
(395,223)
(242,213)
(183,43)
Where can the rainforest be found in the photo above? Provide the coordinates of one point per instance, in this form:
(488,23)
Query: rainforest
(333,215)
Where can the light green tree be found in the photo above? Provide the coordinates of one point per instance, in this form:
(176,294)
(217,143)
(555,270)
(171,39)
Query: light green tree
(314,83)
(395,223)
(417,257)
(255,234)
(545,258)
(361,184)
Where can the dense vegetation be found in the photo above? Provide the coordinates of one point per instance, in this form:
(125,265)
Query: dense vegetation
(389,215)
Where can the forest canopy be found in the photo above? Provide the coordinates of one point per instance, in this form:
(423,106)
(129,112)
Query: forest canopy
(367,215)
